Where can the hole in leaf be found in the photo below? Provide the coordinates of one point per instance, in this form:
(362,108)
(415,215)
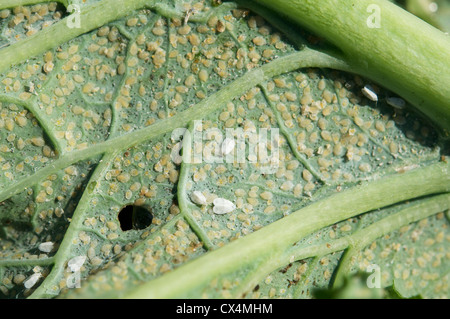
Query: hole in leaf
(134,217)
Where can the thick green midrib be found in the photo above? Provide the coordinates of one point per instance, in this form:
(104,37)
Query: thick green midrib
(305,58)
(287,231)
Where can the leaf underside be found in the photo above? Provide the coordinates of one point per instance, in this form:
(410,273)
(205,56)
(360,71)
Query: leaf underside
(71,116)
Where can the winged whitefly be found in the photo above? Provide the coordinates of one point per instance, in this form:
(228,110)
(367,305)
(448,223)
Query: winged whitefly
(198,198)
(223,206)
(227,146)
(76,263)
(46,247)
(369,93)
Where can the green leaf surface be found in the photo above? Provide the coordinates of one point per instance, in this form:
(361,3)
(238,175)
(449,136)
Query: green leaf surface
(87,131)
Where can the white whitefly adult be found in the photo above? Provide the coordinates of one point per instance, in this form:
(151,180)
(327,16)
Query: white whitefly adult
(32,280)
(198,198)
(227,146)
(369,93)
(75,263)
(396,102)
(46,247)
(223,206)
